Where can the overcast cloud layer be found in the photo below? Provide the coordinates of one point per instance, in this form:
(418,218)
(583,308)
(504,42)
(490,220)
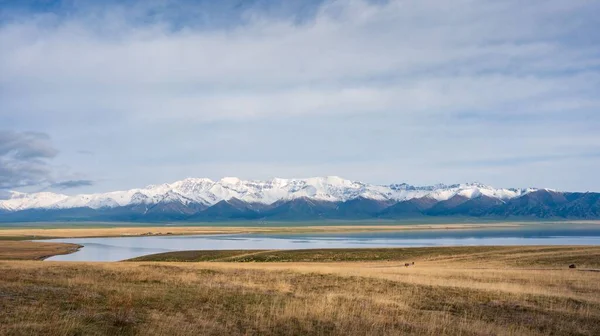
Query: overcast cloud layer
(120,96)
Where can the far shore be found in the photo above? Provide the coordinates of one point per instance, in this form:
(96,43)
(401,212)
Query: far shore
(20,233)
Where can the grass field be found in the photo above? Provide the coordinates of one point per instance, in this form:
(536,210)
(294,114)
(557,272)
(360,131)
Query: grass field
(500,256)
(449,291)
(26,250)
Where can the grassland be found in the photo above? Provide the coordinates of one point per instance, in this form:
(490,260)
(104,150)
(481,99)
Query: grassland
(449,291)
(26,250)
(499,256)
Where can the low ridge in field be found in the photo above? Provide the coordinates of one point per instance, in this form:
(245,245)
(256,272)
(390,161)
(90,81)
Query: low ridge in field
(587,257)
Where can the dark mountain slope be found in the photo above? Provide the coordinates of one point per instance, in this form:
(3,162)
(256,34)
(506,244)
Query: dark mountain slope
(49,215)
(540,204)
(475,207)
(360,208)
(226,210)
(412,208)
(443,207)
(302,209)
(582,205)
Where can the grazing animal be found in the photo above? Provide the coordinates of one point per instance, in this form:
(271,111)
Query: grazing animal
(406,265)
(572,266)
(413,263)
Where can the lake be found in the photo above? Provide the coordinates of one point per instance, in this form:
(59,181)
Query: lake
(121,248)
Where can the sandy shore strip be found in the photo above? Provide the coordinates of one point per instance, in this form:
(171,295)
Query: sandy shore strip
(80,232)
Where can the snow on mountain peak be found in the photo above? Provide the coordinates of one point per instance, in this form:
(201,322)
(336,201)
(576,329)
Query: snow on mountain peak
(331,180)
(230,180)
(474,185)
(207,192)
(21,201)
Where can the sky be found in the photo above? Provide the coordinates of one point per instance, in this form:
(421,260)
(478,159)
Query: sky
(110,95)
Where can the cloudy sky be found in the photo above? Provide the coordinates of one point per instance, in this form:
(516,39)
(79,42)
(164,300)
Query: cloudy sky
(100,95)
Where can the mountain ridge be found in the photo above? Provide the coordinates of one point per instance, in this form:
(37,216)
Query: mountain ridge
(208,192)
(330,197)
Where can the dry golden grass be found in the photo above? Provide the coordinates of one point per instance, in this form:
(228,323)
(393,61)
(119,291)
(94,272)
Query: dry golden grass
(539,256)
(26,250)
(486,293)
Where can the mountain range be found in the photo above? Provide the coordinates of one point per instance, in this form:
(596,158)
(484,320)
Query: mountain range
(201,199)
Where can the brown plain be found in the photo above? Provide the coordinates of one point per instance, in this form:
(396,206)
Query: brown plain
(26,250)
(448,291)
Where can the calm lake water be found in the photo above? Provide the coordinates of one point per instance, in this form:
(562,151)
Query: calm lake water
(121,248)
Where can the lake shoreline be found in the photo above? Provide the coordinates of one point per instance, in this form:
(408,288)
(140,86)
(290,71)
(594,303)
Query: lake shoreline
(131,242)
(20,233)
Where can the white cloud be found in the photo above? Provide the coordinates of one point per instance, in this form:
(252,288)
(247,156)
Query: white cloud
(443,80)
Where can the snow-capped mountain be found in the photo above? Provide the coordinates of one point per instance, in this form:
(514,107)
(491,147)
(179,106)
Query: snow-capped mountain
(317,198)
(207,192)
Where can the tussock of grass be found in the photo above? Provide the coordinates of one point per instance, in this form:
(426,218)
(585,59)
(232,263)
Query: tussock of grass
(481,295)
